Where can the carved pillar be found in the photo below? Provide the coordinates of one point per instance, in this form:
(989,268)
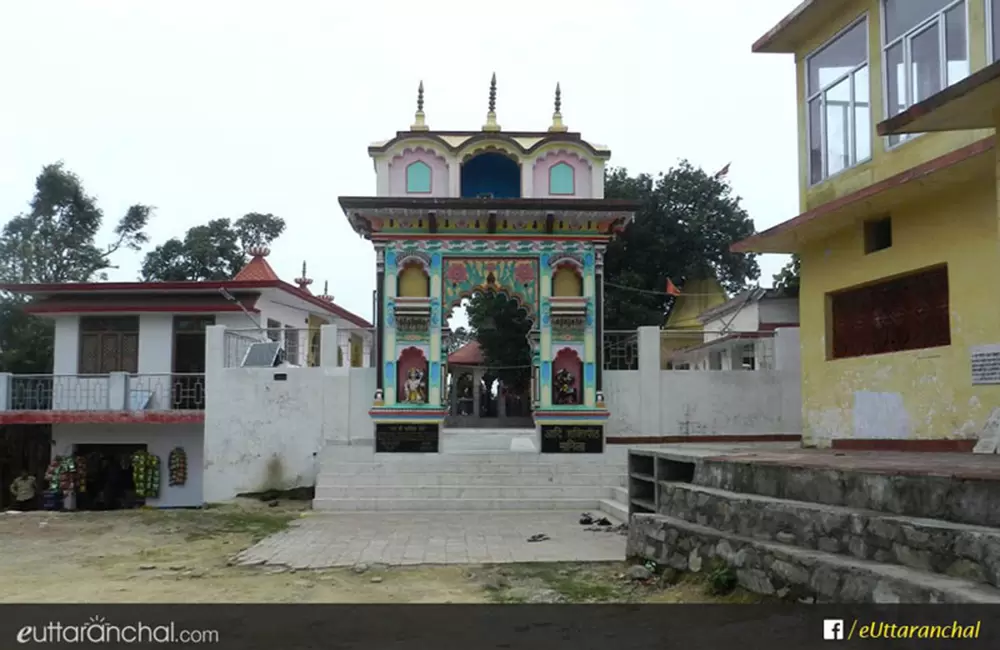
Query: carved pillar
(379,316)
(589,343)
(477,384)
(435,379)
(545,329)
(599,314)
(389,321)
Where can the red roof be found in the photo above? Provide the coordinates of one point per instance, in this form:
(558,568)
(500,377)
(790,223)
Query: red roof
(470,354)
(257,270)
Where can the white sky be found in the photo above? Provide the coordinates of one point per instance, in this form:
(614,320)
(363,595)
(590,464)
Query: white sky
(217,108)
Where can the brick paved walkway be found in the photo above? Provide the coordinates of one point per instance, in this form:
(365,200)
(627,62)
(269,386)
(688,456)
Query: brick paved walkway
(330,540)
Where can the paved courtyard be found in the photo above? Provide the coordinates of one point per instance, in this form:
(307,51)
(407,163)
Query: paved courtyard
(319,541)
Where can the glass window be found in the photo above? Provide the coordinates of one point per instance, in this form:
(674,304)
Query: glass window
(839,114)
(561,179)
(926,50)
(418,177)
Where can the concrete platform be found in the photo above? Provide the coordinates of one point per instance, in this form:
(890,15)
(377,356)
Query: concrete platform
(336,540)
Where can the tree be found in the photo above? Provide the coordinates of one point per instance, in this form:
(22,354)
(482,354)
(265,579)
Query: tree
(460,337)
(214,251)
(501,327)
(684,226)
(788,277)
(55,242)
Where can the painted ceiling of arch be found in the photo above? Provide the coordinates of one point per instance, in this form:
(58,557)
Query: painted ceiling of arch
(515,278)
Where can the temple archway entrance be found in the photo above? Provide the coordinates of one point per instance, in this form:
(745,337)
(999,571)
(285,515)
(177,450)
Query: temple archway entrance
(489,364)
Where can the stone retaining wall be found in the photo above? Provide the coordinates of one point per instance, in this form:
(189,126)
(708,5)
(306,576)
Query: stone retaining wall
(967,552)
(936,497)
(787,572)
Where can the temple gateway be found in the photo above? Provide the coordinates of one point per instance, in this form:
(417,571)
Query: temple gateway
(518,214)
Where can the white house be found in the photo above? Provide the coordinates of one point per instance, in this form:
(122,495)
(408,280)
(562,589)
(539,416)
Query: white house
(739,334)
(130,362)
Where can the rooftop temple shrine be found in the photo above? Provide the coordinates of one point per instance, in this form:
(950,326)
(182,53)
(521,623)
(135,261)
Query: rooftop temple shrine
(517,213)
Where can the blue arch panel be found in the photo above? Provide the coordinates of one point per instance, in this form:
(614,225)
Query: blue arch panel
(418,177)
(561,179)
(491,174)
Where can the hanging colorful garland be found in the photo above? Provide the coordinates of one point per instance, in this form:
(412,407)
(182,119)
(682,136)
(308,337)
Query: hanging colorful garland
(146,474)
(64,475)
(177,462)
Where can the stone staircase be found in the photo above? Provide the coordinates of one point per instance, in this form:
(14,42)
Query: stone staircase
(496,470)
(816,535)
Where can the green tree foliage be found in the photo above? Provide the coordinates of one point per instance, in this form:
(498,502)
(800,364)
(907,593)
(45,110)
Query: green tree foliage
(501,326)
(684,226)
(55,241)
(788,277)
(460,337)
(214,251)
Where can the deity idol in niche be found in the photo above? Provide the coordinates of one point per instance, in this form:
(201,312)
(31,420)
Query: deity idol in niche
(414,387)
(565,385)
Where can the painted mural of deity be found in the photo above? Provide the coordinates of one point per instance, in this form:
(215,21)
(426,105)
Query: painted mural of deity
(565,387)
(415,387)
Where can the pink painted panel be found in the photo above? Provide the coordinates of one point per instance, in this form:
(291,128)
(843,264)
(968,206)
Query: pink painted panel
(397,172)
(582,186)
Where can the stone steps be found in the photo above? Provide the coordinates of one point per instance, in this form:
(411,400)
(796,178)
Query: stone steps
(614,508)
(464,492)
(934,546)
(451,504)
(452,479)
(772,568)
(938,496)
(392,469)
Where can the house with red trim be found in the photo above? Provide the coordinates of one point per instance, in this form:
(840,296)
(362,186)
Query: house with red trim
(130,359)
(739,334)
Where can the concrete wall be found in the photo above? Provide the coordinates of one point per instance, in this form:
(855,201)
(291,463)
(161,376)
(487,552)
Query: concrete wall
(779,310)
(916,394)
(651,402)
(159,439)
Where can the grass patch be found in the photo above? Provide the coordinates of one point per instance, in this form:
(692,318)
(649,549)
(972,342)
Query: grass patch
(257,525)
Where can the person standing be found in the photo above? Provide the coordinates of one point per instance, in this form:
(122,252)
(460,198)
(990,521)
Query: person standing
(23,491)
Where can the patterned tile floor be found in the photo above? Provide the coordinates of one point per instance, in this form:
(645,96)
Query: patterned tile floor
(344,539)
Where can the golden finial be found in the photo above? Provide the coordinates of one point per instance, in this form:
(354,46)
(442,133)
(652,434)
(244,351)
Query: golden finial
(491,115)
(557,123)
(418,121)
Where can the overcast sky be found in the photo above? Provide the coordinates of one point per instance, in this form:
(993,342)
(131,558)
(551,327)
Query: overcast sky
(217,108)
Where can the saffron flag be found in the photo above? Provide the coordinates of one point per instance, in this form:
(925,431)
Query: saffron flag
(672,289)
(723,172)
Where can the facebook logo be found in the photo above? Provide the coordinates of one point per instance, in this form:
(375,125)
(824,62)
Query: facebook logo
(833,629)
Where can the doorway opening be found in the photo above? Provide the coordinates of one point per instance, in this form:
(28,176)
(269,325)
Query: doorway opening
(489,380)
(110,484)
(187,386)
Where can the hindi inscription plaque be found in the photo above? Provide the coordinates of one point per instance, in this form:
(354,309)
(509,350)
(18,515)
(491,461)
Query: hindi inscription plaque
(572,439)
(407,437)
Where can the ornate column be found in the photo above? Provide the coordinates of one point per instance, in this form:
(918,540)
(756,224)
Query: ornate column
(589,344)
(379,316)
(388,351)
(436,376)
(545,329)
(599,316)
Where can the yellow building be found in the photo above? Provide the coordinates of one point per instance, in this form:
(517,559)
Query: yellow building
(898,231)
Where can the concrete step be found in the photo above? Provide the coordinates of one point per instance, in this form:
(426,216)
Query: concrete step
(620,495)
(938,495)
(959,550)
(771,568)
(477,492)
(346,469)
(614,509)
(454,478)
(438,505)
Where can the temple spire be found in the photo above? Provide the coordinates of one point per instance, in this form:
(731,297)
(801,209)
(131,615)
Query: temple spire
(557,123)
(326,293)
(491,115)
(303,281)
(418,121)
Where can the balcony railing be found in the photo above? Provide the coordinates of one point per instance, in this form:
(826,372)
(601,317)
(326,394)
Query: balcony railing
(111,392)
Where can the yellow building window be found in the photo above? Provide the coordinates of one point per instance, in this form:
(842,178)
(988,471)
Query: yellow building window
(839,108)
(925,49)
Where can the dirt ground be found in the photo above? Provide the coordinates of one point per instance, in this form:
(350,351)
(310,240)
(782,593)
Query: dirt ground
(155,556)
